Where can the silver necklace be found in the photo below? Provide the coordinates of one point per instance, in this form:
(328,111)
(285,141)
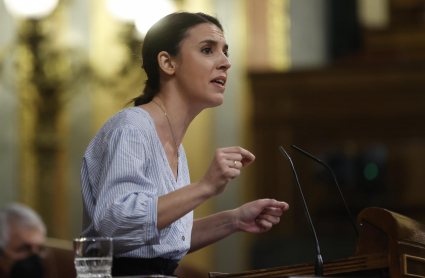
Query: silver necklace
(171,128)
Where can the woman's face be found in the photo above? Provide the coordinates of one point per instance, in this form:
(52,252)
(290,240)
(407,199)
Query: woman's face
(201,68)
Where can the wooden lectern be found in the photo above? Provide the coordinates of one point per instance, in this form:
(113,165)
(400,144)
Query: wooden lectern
(389,245)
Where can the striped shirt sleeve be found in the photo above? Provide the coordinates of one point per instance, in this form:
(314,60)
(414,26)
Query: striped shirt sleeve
(126,201)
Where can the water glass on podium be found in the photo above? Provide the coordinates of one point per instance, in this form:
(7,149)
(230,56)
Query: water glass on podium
(93,257)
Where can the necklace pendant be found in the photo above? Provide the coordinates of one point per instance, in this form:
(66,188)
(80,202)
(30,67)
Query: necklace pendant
(178,154)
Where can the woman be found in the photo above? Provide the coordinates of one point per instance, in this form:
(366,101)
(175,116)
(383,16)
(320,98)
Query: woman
(135,179)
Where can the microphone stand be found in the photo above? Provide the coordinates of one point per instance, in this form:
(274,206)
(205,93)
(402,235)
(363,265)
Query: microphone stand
(318,267)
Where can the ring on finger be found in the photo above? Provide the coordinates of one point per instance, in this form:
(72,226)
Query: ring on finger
(234,166)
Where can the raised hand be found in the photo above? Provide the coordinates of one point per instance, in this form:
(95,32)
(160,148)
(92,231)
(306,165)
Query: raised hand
(226,165)
(259,216)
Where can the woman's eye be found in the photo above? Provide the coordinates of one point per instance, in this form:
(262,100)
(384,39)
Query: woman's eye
(226,54)
(207,50)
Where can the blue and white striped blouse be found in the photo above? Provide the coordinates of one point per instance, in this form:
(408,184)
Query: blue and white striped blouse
(124,171)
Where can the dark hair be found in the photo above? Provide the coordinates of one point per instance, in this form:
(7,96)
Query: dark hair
(166,35)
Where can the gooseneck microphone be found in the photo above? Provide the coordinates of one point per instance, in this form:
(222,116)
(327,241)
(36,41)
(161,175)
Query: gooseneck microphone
(336,182)
(318,268)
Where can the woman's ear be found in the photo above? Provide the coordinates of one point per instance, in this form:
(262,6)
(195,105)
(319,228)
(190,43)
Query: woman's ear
(166,63)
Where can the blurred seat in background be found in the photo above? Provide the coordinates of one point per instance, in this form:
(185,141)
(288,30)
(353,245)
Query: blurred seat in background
(59,262)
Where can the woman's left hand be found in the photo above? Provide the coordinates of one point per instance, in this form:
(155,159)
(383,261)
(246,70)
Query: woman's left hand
(259,216)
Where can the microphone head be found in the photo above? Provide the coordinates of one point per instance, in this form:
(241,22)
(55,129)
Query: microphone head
(307,154)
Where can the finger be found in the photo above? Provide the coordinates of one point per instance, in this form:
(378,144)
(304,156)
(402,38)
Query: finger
(246,162)
(232,173)
(272,219)
(234,164)
(272,211)
(233,156)
(247,156)
(264,225)
(273,203)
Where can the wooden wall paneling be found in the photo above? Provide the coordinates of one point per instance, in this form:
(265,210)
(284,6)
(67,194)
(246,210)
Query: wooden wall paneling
(348,110)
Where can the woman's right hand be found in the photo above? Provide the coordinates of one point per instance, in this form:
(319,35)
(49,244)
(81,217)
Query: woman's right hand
(226,165)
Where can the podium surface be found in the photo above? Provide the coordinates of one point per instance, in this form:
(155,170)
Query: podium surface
(389,245)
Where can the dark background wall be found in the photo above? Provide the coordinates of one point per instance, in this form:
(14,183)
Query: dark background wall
(362,114)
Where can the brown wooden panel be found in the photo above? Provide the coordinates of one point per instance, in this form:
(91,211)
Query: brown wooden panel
(349,265)
(403,255)
(340,108)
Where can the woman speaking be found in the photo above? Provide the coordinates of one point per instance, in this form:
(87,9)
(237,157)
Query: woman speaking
(135,178)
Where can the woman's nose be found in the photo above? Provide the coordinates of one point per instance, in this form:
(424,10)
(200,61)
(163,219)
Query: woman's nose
(225,62)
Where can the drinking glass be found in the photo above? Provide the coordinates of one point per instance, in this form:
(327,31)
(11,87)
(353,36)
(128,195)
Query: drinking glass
(93,257)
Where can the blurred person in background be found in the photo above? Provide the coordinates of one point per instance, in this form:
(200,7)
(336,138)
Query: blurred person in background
(22,242)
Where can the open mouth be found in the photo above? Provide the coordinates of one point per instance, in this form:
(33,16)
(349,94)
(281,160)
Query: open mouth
(219,82)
